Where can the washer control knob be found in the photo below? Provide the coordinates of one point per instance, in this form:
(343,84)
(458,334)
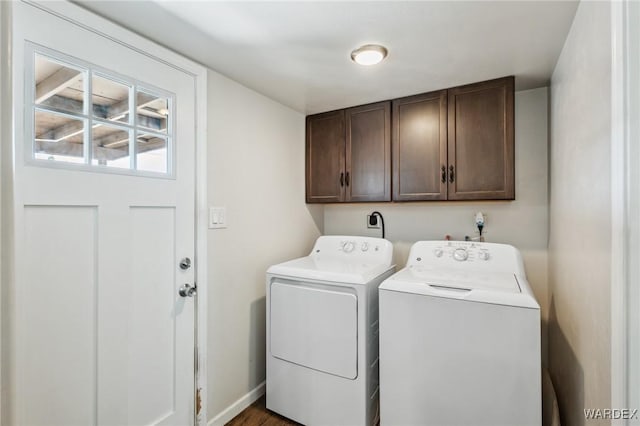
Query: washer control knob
(438,252)
(484,255)
(460,254)
(364,246)
(348,246)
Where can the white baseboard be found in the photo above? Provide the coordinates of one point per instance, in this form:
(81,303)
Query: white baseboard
(236,408)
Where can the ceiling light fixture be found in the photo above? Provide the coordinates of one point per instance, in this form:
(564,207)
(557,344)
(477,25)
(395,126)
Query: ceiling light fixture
(369,54)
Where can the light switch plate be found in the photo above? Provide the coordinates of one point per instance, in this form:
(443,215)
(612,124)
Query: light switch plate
(217,217)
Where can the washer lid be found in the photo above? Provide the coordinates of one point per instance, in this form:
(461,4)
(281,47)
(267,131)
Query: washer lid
(496,288)
(330,268)
(458,278)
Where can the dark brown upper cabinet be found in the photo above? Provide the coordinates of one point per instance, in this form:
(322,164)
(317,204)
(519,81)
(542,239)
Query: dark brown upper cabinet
(481,141)
(453,144)
(325,157)
(348,155)
(368,153)
(420,147)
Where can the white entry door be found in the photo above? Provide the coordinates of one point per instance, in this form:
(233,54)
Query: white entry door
(103,197)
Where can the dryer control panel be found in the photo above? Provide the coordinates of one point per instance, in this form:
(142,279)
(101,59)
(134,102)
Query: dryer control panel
(466,255)
(353,248)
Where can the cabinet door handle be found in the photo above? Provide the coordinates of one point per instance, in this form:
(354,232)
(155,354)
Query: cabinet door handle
(452,175)
(444,174)
(342,179)
(347,179)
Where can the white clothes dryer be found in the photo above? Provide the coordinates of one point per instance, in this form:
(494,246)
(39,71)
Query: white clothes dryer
(322,331)
(460,339)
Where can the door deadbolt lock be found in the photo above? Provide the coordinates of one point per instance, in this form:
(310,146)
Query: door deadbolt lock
(186,290)
(185,264)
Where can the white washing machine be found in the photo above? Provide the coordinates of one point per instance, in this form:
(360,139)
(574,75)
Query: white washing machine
(322,331)
(460,339)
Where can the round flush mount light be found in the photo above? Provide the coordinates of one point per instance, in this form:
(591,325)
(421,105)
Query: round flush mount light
(369,54)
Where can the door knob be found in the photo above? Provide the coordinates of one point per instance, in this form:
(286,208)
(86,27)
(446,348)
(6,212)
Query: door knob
(187,291)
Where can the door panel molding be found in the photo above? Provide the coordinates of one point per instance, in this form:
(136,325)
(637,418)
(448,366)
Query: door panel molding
(49,326)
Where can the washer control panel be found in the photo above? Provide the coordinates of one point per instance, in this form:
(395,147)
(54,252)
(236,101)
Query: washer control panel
(469,256)
(452,252)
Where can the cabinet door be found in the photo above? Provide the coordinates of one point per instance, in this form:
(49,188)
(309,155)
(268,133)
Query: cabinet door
(325,165)
(420,147)
(368,171)
(481,141)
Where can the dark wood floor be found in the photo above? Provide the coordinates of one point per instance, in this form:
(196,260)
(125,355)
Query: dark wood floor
(258,415)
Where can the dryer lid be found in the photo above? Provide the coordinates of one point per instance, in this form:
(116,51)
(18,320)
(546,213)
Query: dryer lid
(341,259)
(330,269)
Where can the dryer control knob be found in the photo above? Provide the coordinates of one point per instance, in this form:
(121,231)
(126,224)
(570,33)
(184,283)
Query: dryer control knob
(364,246)
(438,252)
(460,254)
(484,255)
(348,246)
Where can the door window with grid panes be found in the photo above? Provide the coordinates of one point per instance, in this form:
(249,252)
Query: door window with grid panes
(86,117)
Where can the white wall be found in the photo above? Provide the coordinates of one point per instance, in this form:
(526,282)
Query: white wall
(522,223)
(256,170)
(580,216)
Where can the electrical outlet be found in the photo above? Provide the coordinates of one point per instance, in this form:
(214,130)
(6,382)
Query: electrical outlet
(377,222)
